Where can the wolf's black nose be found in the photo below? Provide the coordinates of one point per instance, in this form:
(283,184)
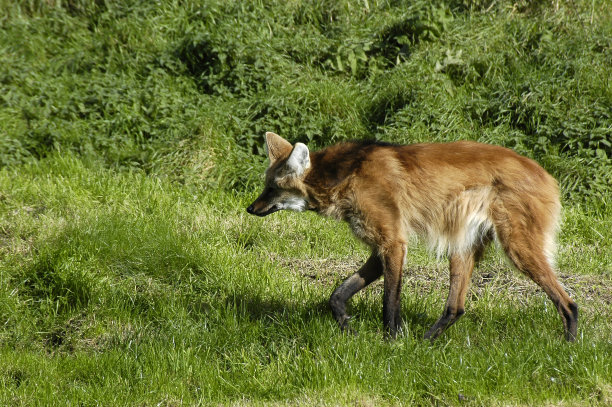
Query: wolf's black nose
(250,209)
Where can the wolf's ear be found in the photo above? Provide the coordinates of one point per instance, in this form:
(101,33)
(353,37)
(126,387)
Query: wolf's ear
(299,160)
(277,147)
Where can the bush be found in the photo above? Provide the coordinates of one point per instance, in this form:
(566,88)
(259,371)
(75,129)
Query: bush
(159,87)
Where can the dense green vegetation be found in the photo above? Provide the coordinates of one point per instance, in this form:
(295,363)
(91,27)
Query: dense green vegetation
(131,140)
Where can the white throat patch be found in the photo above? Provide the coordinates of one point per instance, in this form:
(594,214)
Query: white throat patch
(294,203)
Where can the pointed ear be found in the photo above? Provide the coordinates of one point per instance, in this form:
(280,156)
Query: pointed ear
(299,160)
(277,147)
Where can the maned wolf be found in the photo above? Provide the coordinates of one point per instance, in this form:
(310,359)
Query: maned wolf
(457,196)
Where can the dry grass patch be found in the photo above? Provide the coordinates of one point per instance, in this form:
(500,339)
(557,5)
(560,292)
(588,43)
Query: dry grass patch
(591,291)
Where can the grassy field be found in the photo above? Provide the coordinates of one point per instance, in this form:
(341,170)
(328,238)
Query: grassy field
(131,141)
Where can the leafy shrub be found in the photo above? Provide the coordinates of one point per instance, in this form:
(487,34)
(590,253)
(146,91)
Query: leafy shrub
(156,87)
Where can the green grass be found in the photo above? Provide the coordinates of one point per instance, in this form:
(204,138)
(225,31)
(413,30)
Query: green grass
(126,289)
(131,142)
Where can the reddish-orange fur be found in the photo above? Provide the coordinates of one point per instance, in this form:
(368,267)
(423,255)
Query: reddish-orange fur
(457,196)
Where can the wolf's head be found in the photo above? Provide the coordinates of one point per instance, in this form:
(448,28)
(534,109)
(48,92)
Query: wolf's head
(284,187)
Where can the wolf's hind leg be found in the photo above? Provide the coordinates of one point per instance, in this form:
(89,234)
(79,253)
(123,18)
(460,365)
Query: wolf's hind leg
(461,267)
(368,273)
(530,259)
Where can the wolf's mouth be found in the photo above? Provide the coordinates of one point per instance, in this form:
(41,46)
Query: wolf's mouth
(273,208)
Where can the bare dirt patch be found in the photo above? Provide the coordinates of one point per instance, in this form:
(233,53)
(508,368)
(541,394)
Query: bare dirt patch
(593,291)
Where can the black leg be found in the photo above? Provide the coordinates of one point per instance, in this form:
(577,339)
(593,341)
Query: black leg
(368,273)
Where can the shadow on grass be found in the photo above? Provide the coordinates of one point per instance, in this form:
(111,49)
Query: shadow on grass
(288,311)
(255,307)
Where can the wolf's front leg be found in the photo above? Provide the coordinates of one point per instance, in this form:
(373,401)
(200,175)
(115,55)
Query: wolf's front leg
(393,262)
(369,272)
